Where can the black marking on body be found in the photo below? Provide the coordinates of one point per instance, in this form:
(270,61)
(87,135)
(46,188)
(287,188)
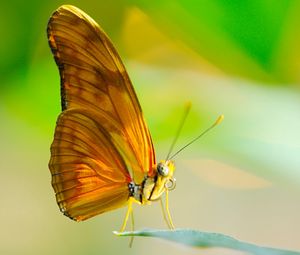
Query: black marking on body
(142,189)
(155,180)
(131,189)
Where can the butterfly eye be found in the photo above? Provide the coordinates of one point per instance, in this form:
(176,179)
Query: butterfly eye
(162,169)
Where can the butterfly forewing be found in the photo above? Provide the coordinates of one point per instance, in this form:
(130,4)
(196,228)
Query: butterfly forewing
(101,135)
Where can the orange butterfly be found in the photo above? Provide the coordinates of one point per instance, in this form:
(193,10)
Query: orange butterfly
(102,156)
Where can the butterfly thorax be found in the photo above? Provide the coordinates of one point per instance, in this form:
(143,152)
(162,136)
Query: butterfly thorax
(153,187)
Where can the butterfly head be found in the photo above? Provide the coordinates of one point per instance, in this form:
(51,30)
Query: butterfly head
(165,170)
(164,180)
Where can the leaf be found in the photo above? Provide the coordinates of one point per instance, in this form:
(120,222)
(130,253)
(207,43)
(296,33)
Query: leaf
(201,239)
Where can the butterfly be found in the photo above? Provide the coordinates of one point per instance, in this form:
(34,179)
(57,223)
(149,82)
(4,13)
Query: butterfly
(102,155)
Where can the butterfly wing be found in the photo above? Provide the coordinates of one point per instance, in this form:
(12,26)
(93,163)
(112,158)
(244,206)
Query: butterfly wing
(101,136)
(89,175)
(93,77)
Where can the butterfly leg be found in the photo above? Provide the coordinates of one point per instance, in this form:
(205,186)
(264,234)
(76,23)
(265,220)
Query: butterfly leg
(164,213)
(167,216)
(132,228)
(129,212)
(171,225)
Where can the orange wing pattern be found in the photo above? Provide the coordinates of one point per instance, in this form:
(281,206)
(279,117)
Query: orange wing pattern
(101,141)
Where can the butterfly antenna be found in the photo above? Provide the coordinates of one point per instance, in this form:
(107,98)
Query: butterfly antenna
(217,122)
(185,114)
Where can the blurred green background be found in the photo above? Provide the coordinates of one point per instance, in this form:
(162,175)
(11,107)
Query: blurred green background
(239,58)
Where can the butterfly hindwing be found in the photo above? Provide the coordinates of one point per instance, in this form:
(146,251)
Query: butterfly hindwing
(86,182)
